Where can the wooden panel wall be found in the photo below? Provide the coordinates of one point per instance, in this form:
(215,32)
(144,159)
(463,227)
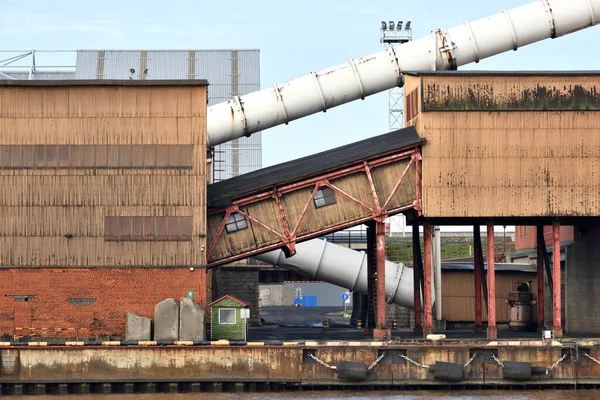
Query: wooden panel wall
(524,162)
(54,215)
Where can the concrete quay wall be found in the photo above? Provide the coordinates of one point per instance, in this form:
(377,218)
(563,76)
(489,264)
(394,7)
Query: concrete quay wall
(290,364)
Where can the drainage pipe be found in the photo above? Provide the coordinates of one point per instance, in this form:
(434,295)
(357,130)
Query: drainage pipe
(361,77)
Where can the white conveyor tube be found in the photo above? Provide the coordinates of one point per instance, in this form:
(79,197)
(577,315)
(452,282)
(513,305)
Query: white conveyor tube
(358,78)
(344,267)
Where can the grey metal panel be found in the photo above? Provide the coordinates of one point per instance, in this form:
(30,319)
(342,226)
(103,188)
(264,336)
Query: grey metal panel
(249,70)
(41,76)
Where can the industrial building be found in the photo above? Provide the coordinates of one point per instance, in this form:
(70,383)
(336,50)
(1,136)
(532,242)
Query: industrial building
(106,208)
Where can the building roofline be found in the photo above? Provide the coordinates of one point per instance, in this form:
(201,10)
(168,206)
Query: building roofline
(505,73)
(107,82)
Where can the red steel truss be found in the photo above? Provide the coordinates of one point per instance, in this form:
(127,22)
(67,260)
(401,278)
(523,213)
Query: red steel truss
(289,236)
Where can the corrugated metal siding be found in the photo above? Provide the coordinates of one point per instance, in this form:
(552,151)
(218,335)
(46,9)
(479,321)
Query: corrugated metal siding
(39,76)
(212,65)
(55,217)
(485,161)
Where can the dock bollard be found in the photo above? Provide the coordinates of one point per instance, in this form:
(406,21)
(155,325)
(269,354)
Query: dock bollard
(359,324)
(326,323)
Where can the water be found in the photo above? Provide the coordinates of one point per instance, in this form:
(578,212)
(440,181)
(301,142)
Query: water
(347,395)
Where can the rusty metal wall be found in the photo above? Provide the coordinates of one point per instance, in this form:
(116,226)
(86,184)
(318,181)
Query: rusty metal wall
(502,145)
(52,213)
(229,73)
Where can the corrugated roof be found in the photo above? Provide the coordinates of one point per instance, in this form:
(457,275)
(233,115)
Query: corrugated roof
(220,193)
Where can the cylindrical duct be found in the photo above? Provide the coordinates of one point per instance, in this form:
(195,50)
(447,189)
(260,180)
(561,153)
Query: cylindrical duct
(358,78)
(344,267)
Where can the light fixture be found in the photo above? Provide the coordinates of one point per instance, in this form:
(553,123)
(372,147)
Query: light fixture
(407,25)
(391,25)
(383,25)
(399,25)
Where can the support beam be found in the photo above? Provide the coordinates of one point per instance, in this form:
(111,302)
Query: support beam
(479,255)
(369,324)
(417,277)
(541,247)
(381,332)
(492,330)
(478,268)
(546,258)
(427,306)
(556,292)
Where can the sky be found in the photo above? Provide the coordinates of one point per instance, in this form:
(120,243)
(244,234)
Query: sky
(294,38)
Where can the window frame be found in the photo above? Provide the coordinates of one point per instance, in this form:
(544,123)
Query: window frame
(326,195)
(234,316)
(236,224)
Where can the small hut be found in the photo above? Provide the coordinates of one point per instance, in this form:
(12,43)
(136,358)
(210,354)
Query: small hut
(228,318)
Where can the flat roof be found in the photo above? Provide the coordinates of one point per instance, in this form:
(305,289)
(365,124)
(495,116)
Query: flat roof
(505,73)
(105,82)
(220,193)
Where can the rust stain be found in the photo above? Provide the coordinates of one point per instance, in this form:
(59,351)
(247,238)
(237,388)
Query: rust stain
(484,97)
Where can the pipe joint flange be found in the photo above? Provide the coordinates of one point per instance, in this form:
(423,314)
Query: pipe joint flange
(446,49)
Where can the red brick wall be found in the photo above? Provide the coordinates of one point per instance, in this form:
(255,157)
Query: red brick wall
(525,236)
(39,297)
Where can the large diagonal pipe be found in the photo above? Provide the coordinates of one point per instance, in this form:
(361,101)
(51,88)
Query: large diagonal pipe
(325,261)
(361,77)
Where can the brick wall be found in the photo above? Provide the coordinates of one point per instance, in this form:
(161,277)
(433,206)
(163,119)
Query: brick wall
(241,283)
(96,299)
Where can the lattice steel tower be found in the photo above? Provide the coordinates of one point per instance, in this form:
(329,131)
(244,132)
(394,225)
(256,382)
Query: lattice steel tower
(392,34)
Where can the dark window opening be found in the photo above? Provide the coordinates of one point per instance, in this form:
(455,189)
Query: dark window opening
(324,197)
(235,222)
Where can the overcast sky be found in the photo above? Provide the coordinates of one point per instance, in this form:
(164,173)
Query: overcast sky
(294,37)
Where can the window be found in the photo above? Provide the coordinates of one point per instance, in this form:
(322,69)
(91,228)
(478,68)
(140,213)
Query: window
(227,316)
(235,222)
(324,197)
(143,228)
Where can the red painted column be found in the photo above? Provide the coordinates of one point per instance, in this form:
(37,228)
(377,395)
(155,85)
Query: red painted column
(540,276)
(477,268)
(427,306)
(492,330)
(380,332)
(556,294)
(417,273)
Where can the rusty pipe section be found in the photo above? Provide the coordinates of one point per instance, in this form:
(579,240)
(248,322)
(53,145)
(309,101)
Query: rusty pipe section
(361,77)
(322,260)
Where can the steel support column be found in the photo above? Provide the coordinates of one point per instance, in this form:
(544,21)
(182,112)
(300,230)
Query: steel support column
(556,293)
(477,268)
(370,323)
(541,246)
(417,277)
(380,332)
(492,330)
(427,306)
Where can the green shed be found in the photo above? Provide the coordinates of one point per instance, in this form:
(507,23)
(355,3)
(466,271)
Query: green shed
(228,318)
